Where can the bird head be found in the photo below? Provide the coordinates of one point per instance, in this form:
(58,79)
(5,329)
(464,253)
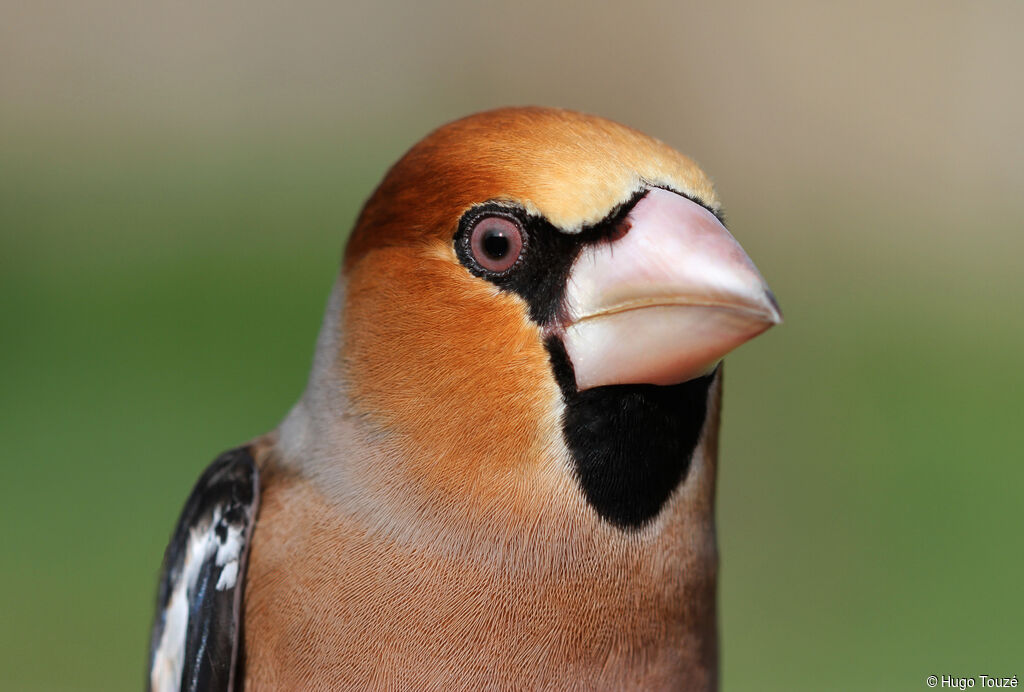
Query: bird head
(532,309)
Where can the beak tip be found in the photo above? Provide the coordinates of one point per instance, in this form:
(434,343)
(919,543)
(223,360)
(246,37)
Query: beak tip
(776,310)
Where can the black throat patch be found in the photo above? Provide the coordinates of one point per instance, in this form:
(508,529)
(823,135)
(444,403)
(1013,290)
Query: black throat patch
(632,445)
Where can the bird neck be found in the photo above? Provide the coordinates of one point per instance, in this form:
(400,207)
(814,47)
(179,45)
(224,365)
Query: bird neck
(523,524)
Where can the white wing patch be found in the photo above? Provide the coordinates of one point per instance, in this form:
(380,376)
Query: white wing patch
(228,553)
(203,544)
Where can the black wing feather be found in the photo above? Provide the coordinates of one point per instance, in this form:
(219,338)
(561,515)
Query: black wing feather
(215,527)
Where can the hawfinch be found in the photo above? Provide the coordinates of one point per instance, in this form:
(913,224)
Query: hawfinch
(501,474)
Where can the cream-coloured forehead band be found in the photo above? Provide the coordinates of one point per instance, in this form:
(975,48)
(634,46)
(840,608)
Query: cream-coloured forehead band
(635,191)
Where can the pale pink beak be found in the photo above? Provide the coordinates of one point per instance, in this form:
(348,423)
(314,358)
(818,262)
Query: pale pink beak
(665,302)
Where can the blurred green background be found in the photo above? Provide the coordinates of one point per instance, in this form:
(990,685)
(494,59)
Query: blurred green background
(177,180)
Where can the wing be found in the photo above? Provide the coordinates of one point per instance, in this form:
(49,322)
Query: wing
(195,641)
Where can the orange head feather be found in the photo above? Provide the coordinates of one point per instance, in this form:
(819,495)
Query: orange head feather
(440,358)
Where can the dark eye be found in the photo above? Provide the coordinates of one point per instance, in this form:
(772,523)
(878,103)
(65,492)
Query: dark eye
(496,243)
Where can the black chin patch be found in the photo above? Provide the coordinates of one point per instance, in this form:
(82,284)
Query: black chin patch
(631,444)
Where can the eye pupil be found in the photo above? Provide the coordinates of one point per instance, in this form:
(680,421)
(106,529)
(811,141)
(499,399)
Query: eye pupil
(495,244)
